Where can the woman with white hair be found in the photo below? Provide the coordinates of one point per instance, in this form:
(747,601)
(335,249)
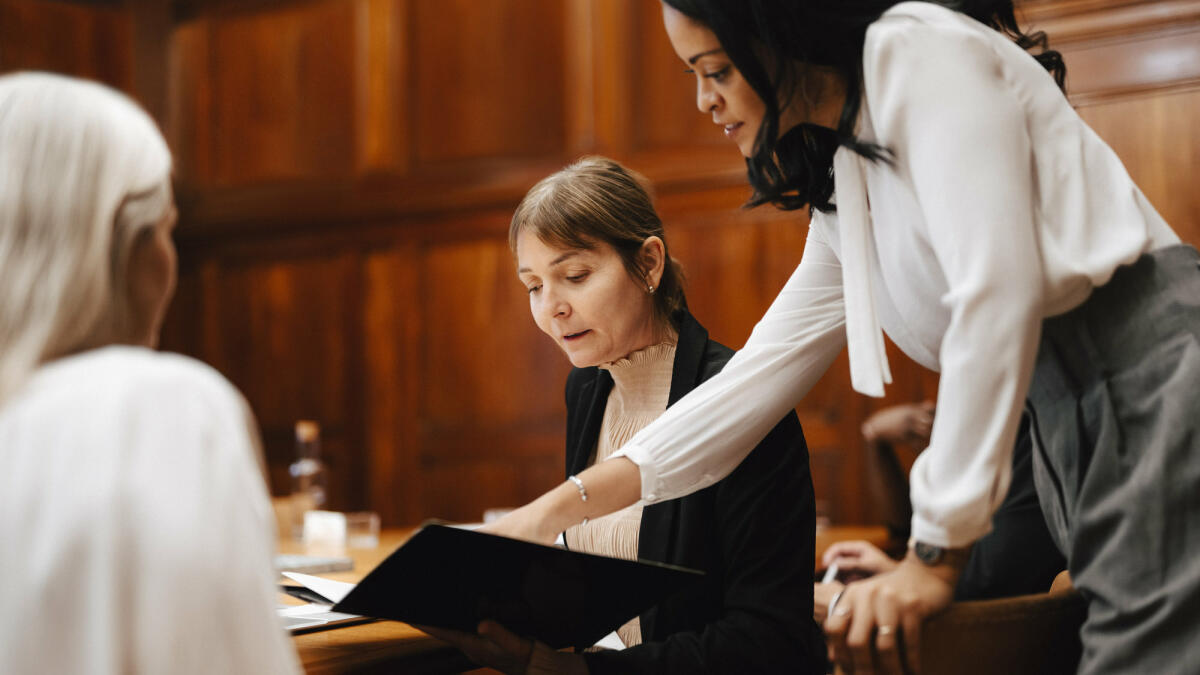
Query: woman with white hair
(136,533)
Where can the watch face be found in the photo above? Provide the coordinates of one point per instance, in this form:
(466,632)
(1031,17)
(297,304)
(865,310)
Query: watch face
(928,553)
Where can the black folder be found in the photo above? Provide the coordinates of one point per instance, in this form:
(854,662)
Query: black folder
(454,578)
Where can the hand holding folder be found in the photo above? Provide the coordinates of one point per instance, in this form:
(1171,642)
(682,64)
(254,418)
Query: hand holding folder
(447,577)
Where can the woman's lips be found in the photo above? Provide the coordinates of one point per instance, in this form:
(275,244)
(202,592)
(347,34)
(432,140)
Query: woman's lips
(731,129)
(570,337)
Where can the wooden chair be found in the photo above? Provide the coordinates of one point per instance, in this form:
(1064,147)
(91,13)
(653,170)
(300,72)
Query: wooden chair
(1025,635)
(1028,634)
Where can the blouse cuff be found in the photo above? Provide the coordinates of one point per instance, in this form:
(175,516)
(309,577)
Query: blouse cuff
(946,537)
(641,457)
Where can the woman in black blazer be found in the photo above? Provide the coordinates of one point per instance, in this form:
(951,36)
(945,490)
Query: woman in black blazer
(752,533)
(591,252)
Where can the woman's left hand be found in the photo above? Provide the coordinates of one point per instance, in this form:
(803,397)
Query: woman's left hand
(876,626)
(494,646)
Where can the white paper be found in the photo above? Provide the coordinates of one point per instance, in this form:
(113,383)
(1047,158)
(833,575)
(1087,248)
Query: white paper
(328,588)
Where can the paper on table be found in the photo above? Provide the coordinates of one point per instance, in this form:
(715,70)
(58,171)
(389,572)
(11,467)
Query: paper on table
(332,590)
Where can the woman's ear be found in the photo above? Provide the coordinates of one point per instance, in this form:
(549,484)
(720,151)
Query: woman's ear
(653,259)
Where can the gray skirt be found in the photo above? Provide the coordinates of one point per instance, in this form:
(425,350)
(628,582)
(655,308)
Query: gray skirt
(1115,419)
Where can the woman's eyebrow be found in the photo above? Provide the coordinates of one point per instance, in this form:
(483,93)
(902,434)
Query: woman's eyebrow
(559,259)
(692,61)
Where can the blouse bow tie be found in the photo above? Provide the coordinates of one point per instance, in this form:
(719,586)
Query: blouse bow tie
(869,369)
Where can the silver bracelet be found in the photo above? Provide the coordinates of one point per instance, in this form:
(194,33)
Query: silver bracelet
(579,484)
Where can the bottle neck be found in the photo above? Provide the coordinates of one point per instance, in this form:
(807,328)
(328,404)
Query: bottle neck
(308,449)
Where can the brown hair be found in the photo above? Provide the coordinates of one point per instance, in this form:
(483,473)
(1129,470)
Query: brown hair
(596,200)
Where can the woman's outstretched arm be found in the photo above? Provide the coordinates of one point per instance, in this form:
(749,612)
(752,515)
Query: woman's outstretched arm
(703,437)
(611,486)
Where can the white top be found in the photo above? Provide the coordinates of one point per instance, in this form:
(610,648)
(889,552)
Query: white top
(1003,208)
(137,535)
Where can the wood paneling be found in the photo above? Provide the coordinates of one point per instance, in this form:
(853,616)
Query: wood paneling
(490,80)
(286,331)
(283,100)
(382,53)
(1161,151)
(347,169)
(392,339)
(93,41)
(664,95)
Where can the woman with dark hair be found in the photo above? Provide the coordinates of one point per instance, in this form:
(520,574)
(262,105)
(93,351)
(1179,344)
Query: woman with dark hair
(960,203)
(592,253)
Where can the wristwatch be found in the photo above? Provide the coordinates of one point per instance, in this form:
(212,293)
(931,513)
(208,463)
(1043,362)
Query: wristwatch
(928,553)
(931,554)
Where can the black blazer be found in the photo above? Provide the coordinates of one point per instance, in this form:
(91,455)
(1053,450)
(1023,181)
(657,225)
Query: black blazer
(753,533)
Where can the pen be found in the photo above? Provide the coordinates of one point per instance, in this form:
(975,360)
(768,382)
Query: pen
(830,574)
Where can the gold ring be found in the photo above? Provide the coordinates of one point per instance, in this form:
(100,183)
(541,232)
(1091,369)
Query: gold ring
(885,630)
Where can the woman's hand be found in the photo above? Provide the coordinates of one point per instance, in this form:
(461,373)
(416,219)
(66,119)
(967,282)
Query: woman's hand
(497,647)
(876,626)
(857,560)
(526,523)
(609,486)
(823,594)
(911,423)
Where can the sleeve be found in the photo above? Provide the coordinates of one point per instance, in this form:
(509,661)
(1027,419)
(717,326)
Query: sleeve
(202,533)
(941,100)
(702,438)
(764,525)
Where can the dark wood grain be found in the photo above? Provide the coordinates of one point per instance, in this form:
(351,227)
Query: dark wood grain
(346,170)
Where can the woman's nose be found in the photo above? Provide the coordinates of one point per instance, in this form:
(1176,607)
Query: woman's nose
(707,99)
(556,306)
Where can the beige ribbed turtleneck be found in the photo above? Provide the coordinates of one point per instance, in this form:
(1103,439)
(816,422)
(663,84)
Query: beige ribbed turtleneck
(641,387)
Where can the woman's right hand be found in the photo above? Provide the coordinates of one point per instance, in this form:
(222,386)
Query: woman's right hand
(524,523)
(609,486)
(494,646)
(857,559)
(911,423)
(823,595)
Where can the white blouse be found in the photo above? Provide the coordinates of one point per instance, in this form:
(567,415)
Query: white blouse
(1002,208)
(137,534)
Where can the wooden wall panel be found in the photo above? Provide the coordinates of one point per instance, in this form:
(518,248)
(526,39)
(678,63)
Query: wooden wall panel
(392,338)
(490,80)
(486,341)
(492,382)
(464,406)
(94,41)
(283,99)
(382,66)
(664,100)
(1161,151)
(189,103)
(346,169)
(286,334)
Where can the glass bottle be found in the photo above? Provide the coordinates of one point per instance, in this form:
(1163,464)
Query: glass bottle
(308,475)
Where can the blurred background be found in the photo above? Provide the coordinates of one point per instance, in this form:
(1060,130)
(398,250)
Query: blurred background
(346,169)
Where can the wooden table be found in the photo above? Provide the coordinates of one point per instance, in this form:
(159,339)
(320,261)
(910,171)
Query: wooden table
(394,647)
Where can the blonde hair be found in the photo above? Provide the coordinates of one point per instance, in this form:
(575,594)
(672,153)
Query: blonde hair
(84,173)
(597,199)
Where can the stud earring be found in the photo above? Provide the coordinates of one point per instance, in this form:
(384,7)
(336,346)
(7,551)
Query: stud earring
(650,288)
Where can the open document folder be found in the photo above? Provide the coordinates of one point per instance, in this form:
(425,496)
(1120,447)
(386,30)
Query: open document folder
(321,594)
(454,578)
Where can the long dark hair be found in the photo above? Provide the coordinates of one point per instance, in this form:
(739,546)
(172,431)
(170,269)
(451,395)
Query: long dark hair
(797,169)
